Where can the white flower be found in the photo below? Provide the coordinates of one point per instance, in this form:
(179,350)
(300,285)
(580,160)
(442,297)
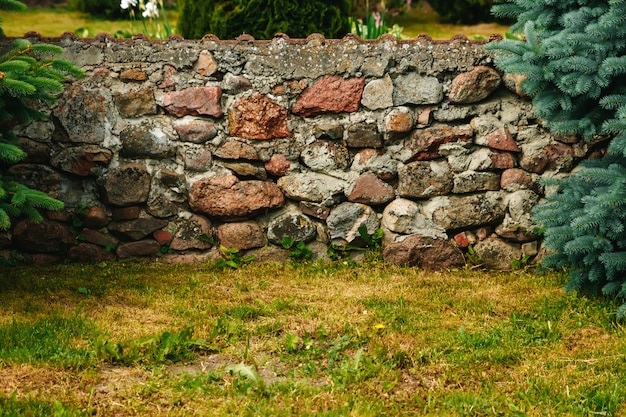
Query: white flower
(151,10)
(125,4)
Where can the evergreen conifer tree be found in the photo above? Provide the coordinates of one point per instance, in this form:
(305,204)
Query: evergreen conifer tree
(29,76)
(573,59)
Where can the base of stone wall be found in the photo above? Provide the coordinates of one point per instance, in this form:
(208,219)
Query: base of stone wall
(59,242)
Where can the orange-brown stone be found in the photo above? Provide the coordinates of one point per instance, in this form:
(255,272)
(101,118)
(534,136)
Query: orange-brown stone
(330,94)
(258,117)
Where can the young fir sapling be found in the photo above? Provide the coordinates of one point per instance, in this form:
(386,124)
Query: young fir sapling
(30,75)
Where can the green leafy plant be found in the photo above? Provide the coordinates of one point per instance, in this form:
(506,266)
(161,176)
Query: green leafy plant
(299,251)
(371,242)
(335,252)
(29,75)
(573,62)
(77,220)
(165,249)
(353,370)
(174,346)
(292,342)
(13,259)
(538,230)
(372,27)
(247,379)
(84,291)
(206,239)
(232,258)
(471,257)
(520,263)
(165,348)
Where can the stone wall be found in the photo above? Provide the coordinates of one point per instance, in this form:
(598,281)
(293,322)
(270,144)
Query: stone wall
(170,148)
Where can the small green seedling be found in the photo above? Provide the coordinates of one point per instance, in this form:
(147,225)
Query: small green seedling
(299,250)
(370,242)
(471,257)
(520,263)
(232,259)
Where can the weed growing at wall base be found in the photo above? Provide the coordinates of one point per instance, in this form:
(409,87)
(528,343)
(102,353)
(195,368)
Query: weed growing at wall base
(371,243)
(299,252)
(231,258)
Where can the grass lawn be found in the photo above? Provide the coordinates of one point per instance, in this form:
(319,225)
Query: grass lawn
(443,31)
(54,22)
(146,339)
(423,19)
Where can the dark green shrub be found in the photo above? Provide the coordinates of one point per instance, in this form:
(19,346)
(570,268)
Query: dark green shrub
(467,12)
(573,59)
(263,18)
(106,9)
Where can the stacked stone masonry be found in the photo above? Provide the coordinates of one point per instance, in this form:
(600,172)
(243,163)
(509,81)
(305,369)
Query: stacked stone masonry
(172,148)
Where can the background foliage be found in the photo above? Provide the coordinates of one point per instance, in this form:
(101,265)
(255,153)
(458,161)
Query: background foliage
(263,18)
(391,6)
(463,11)
(107,9)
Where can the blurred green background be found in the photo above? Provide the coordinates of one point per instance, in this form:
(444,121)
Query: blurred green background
(87,18)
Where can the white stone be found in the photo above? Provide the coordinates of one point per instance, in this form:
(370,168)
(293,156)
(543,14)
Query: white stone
(413,88)
(485,124)
(345,220)
(315,187)
(378,94)
(405,217)
(520,204)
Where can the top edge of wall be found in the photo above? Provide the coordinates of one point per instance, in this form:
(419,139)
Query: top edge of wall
(316,37)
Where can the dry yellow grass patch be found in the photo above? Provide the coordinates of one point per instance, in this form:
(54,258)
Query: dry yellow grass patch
(365,340)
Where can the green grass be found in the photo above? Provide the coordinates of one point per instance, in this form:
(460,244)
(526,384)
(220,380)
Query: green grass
(139,338)
(48,340)
(424,20)
(11,407)
(55,21)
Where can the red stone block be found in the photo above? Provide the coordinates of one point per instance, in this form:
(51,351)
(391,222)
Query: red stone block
(331,94)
